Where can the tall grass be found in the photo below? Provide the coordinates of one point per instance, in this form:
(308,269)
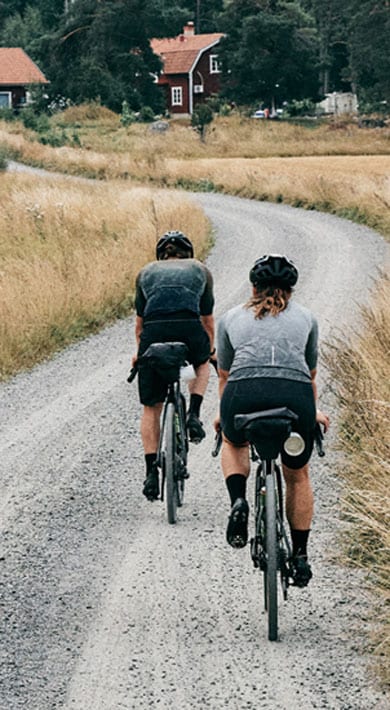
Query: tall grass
(334,167)
(361,369)
(69,254)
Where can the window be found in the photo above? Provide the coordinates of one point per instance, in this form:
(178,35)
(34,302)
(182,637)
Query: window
(214,64)
(5,99)
(177,95)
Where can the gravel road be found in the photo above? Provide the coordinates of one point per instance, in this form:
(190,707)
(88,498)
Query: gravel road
(104,606)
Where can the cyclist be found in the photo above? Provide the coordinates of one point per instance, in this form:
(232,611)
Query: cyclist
(267,357)
(174,302)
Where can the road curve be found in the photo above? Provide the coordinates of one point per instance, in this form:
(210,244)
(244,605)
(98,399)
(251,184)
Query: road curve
(106,607)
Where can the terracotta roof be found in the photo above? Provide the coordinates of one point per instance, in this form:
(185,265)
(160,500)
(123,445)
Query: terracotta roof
(17,68)
(179,53)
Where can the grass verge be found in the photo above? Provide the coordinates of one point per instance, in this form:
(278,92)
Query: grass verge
(69,256)
(361,369)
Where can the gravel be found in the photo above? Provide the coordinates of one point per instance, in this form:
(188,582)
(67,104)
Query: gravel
(106,606)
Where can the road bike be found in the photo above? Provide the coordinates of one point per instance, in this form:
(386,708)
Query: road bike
(168,359)
(268,432)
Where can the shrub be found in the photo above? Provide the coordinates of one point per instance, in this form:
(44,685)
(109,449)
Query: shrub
(146,114)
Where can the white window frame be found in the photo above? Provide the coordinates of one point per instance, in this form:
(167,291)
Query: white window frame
(177,95)
(214,64)
(9,94)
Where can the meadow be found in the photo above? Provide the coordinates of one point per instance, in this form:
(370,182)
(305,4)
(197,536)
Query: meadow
(69,252)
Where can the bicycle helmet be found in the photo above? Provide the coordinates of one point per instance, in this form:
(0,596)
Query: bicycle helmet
(177,239)
(273,268)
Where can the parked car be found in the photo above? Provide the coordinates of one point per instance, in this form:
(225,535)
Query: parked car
(258,114)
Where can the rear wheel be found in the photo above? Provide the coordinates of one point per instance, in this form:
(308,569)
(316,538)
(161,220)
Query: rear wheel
(170,460)
(271,574)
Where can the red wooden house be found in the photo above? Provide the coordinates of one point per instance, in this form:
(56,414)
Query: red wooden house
(17,73)
(190,69)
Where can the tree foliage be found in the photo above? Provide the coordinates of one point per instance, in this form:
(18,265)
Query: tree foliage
(274,50)
(269,53)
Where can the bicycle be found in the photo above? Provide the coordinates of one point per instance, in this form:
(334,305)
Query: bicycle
(167,359)
(271,552)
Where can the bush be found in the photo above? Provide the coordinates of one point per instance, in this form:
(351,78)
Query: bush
(201,118)
(127,116)
(3,158)
(36,122)
(6,114)
(146,114)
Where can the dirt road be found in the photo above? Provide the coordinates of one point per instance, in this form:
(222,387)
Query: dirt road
(104,606)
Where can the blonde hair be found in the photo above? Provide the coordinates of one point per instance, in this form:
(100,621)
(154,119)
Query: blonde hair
(271,299)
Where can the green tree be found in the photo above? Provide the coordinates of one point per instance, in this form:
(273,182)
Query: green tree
(102,51)
(202,116)
(269,53)
(331,19)
(369,57)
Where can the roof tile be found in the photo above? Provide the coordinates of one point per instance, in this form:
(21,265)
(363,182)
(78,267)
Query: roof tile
(16,67)
(179,53)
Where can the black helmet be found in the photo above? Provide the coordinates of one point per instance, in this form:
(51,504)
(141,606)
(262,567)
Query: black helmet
(177,239)
(273,268)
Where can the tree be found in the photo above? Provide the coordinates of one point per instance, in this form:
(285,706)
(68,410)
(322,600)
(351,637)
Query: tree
(331,22)
(102,51)
(368,43)
(269,53)
(200,119)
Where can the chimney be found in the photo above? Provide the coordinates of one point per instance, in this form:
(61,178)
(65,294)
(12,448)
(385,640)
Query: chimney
(189,29)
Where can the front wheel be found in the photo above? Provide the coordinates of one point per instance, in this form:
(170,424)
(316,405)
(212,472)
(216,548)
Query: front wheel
(271,574)
(169,462)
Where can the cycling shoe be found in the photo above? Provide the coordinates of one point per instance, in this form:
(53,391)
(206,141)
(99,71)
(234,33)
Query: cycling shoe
(237,529)
(301,571)
(195,429)
(151,487)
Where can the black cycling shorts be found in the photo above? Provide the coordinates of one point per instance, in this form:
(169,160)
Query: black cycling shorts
(152,388)
(252,395)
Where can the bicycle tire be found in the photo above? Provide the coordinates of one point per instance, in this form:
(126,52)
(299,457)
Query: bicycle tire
(170,464)
(182,448)
(271,575)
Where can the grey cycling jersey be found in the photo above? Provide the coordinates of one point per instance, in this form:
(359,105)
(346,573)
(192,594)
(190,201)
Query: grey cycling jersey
(164,287)
(274,346)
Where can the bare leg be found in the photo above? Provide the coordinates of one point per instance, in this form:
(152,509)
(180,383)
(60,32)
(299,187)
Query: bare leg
(150,428)
(234,459)
(199,384)
(299,497)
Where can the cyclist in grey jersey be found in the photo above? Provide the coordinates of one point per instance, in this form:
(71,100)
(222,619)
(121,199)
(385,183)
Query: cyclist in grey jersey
(267,357)
(285,347)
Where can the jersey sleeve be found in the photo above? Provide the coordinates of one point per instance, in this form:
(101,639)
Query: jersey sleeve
(225,351)
(206,303)
(140,299)
(311,350)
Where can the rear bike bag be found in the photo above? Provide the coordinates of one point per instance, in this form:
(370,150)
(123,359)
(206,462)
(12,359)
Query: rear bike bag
(166,359)
(267,430)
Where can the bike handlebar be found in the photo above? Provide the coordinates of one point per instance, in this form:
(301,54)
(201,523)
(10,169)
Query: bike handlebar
(318,439)
(133,373)
(217,443)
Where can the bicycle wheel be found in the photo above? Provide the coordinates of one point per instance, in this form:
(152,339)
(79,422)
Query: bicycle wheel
(271,575)
(169,462)
(181,449)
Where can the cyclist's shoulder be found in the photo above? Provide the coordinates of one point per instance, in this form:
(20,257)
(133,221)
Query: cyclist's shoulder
(234,313)
(297,310)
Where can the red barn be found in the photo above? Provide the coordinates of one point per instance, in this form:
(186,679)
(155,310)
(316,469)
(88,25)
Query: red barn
(191,71)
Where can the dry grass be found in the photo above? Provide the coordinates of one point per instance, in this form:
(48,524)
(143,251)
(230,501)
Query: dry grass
(333,167)
(362,372)
(69,254)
